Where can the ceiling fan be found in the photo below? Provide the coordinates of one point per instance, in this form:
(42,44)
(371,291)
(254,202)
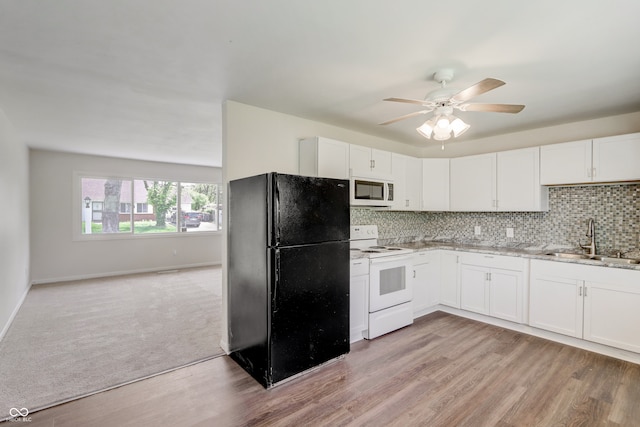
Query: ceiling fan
(443,101)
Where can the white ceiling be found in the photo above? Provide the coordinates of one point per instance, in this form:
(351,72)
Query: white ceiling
(145,79)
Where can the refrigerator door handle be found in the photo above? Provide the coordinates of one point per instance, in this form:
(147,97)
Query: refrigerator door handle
(276,280)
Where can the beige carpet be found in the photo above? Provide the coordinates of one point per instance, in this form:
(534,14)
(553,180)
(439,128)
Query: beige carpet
(76,338)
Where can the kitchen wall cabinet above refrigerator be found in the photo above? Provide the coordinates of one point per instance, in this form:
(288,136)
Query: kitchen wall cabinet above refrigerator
(323,157)
(600,160)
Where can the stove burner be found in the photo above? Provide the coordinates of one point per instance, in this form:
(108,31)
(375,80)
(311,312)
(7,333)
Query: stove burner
(369,251)
(394,249)
(377,247)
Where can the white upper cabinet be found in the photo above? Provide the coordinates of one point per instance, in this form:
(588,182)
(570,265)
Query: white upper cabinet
(407,179)
(567,163)
(506,181)
(324,157)
(518,181)
(610,159)
(473,183)
(367,161)
(435,184)
(616,158)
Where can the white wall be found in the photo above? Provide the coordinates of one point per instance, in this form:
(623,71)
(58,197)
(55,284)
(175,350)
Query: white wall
(576,131)
(259,140)
(56,256)
(14,225)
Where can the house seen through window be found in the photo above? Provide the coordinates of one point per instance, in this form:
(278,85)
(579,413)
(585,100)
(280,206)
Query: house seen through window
(158,206)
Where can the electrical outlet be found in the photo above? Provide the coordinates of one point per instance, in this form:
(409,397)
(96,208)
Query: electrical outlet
(509,232)
(477,230)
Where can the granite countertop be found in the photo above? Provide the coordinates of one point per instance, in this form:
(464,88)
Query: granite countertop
(518,250)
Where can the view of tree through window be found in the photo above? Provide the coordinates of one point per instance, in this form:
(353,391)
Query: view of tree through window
(142,206)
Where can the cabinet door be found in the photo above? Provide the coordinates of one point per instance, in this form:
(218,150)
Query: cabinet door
(381,162)
(426,281)
(449,285)
(435,184)
(333,159)
(555,304)
(473,183)
(399,166)
(616,158)
(566,163)
(360,160)
(413,183)
(359,286)
(518,180)
(612,314)
(323,157)
(474,289)
(506,294)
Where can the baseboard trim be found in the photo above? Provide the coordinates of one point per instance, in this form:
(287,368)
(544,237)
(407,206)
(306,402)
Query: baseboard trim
(6,327)
(123,273)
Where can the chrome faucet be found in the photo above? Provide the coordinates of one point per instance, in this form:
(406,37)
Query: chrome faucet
(591,234)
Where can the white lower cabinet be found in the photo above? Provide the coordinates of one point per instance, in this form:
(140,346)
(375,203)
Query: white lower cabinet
(426,281)
(598,304)
(449,275)
(493,285)
(359,298)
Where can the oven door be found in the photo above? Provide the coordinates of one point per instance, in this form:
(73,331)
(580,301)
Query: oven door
(389,282)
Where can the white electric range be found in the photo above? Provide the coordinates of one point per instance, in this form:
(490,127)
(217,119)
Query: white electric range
(390,287)
(364,241)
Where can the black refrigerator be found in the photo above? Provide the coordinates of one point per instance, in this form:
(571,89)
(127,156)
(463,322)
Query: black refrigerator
(288,274)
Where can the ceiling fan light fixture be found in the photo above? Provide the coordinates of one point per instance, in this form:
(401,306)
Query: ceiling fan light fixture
(459,127)
(426,129)
(443,122)
(441,134)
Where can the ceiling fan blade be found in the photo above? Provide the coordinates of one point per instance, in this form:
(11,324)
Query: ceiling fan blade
(492,108)
(410,101)
(477,89)
(406,116)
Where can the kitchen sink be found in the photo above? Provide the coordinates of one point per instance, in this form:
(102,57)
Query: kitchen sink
(567,255)
(603,258)
(615,260)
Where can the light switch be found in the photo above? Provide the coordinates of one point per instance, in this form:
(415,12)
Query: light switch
(509,232)
(477,230)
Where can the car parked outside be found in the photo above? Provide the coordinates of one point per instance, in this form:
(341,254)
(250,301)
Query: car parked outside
(192,219)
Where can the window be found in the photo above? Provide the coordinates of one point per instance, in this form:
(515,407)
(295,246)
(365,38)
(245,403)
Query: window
(101,200)
(158,206)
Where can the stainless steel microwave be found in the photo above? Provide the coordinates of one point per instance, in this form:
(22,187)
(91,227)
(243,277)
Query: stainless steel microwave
(370,191)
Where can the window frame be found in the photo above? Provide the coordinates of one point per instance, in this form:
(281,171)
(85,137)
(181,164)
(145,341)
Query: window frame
(76,216)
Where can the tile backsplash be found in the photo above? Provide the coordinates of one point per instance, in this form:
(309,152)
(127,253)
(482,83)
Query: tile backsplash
(615,209)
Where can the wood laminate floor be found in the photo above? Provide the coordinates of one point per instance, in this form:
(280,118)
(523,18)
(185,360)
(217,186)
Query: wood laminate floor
(441,371)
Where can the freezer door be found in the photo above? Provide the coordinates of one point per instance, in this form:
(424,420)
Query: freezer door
(309,307)
(309,210)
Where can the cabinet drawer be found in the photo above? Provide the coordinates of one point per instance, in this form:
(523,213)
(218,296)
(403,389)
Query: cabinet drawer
(493,261)
(359,266)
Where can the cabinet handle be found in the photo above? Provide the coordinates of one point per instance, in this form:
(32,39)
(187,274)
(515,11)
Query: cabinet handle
(414,274)
(406,203)
(357,263)
(580,291)
(593,175)
(589,172)
(585,291)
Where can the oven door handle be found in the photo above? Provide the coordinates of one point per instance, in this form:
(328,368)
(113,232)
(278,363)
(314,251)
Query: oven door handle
(391,258)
